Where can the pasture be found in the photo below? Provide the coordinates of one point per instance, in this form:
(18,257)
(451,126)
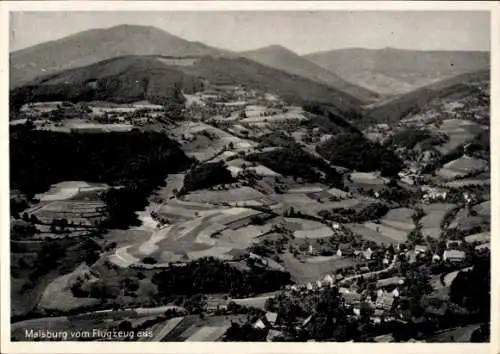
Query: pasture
(483,209)
(367,180)
(58,295)
(459,132)
(303,228)
(304,271)
(306,203)
(397,235)
(370,233)
(399,218)
(434,214)
(461,167)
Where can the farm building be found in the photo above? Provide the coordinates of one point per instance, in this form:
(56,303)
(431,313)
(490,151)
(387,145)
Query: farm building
(453,255)
(259,324)
(329,280)
(271,317)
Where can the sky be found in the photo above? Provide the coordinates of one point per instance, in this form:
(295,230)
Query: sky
(301,31)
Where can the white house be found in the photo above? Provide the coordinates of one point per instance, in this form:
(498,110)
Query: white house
(259,324)
(368,253)
(453,243)
(328,279)
(453,255)
(271,317)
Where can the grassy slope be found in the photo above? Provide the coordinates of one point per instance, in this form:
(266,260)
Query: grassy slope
(394,110)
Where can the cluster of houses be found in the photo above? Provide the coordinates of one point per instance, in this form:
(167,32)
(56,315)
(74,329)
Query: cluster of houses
(386,290)
(433,194)
(409,176)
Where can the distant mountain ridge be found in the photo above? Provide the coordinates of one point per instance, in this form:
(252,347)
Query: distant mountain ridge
(394,71)
(278,57)
(95,45)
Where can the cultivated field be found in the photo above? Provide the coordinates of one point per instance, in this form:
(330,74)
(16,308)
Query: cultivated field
(195,238)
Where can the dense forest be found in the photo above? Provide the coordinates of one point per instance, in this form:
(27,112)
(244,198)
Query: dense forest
(408,137)
(277,138)
(355,152)
(471,288)
(209,275)
(138,161)
(296,162)
(207,175)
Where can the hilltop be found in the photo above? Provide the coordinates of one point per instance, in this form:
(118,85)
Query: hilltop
(394,71)
(281,58)
(96,45)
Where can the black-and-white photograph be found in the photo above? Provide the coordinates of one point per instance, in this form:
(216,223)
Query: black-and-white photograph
(250,176)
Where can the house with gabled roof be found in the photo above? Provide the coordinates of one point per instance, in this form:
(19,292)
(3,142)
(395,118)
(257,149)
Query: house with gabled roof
(453,255)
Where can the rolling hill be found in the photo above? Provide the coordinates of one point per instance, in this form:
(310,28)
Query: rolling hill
(122,79)
(96,45)
(281,58)
(395,109)
(392,71)
(131,78)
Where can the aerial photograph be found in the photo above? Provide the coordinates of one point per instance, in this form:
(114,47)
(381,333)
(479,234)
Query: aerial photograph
(250,176)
